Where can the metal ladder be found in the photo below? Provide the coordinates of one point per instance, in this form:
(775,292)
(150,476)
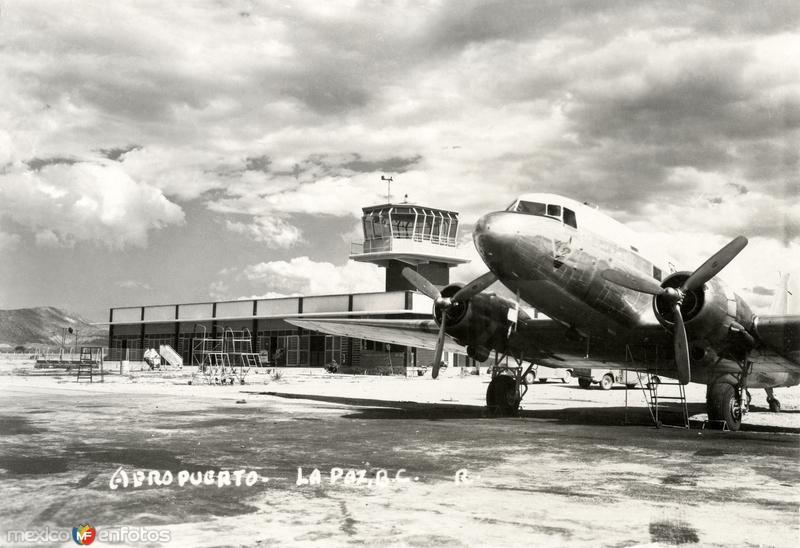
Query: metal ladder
(238,345)
(655,401)
(86,365)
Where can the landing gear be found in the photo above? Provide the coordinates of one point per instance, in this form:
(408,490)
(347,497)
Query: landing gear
(508,386)
(583,382)
(503,396)
(774,404)
(723,404)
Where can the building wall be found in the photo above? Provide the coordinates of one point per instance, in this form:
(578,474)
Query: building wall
(436,273)
(188,329)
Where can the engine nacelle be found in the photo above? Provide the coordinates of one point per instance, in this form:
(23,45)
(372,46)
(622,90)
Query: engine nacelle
(708,312)
(480,323)
(479,353)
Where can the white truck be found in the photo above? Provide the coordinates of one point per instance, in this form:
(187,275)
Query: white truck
(543,374)
(606,378)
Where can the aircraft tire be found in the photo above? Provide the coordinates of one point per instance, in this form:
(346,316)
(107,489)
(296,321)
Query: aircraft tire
(503,396)
(722,405)
(606,382)
(774,405)
(583,382)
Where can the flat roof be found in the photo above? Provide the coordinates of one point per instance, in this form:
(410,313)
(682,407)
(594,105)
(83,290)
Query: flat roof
(334,305)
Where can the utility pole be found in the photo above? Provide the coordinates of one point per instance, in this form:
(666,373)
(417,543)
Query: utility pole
(388,188)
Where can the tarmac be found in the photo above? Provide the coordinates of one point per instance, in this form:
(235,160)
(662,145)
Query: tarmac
(399,462)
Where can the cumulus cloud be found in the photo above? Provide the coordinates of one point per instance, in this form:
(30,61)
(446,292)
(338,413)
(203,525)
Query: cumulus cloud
(305,276)
(63,203)
(273,231)
(681,120)
(8,242)
(133,284)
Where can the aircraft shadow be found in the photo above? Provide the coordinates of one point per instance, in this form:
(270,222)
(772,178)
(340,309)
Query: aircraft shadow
(372,409)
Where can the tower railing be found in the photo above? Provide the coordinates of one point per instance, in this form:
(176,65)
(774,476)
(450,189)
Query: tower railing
(386,244)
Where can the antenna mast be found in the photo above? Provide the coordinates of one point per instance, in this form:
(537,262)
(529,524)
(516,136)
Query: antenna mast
(388,188)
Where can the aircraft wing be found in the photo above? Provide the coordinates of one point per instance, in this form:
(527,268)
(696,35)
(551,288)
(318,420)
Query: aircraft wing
(418,333)
(781,334)
(423,334)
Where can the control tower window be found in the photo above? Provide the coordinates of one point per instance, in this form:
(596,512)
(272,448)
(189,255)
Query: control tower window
(569,218)
(368,228)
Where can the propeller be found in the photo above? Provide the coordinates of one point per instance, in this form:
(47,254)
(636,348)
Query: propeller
(675,296)
(462,295)
(513,317)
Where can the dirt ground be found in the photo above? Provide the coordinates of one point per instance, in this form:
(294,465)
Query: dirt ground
(576,468)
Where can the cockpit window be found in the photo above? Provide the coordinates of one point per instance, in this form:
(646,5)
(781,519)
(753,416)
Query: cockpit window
(569,218)
(531,208)
(554,211)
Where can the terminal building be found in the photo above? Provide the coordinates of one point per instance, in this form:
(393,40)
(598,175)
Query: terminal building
(395,236)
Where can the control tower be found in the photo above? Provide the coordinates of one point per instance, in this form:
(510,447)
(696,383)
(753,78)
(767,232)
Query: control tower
(400,235)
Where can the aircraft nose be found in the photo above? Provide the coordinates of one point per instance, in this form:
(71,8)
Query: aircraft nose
(491,230)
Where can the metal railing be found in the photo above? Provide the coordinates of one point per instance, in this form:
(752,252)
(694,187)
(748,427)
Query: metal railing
(373,246)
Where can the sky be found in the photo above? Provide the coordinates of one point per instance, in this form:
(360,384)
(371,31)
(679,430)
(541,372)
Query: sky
(167,152)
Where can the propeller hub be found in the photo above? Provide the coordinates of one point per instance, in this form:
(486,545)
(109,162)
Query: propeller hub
(674,295)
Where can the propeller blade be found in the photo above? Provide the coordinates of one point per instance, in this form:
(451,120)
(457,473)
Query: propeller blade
(423,285)
(641,284)
(681,348)
(437,356)
(717,262)
(474,287)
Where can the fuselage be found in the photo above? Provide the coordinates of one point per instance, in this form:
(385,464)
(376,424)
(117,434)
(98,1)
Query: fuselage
(552,251)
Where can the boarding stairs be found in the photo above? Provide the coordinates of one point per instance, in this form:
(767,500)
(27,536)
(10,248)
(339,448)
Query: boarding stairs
(169,354)
(661,397)
(91,358)
(215,369)
(239,346)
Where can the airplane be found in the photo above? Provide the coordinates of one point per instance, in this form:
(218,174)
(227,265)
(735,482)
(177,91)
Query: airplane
(609,303)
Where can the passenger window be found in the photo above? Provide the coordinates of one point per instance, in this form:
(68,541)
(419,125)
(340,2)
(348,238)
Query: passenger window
(554,210)
(569,218)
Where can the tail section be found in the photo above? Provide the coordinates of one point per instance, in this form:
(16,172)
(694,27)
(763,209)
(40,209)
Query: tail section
(780,304)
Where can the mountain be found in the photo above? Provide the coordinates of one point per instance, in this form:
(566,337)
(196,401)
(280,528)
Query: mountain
(43,326)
